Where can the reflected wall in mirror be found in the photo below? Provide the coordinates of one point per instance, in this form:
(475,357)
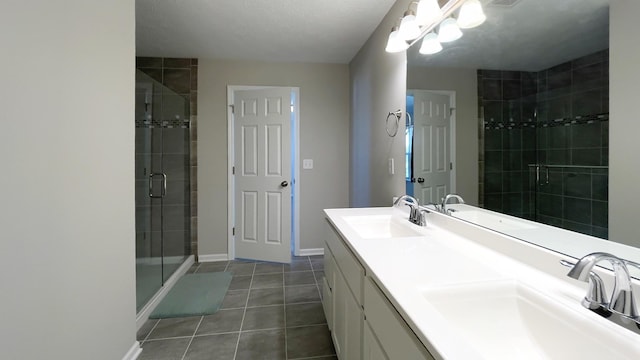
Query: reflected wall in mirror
(532,87)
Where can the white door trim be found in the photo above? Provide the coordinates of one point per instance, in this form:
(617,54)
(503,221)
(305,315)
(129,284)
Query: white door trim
(452,103)
(231,160)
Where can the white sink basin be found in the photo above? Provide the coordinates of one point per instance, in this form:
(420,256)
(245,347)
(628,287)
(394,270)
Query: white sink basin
(506,320)
(380,226)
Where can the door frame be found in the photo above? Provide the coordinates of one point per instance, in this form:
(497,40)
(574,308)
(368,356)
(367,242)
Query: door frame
(295,171)
(452,133)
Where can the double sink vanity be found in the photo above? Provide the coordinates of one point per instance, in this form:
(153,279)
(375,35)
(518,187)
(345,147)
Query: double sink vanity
(453,290)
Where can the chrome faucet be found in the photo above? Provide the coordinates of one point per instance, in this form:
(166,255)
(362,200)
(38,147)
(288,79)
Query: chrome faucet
(621,308)
(416,215)
(445,201)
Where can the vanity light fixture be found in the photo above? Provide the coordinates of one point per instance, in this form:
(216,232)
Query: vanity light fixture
(409,28)
(449,31)
(430,44)
(395,43)
(429,16)
(471,14)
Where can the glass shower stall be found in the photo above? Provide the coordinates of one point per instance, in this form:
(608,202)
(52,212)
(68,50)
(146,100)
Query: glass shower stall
(162,184)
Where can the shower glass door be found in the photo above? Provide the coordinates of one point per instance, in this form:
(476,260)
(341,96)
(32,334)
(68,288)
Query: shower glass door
(148,242)
(162,185)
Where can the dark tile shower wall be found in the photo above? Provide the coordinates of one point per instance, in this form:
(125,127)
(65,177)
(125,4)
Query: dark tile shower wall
(558,117)
(507,102)
(175,110)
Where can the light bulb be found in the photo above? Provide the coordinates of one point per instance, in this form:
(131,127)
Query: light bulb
(430,44)
(409,28)
(395,43)
(449,31)
(428,12)
(471,14)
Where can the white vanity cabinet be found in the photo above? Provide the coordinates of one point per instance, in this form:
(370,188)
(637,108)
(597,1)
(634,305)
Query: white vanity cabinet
(350,297)
(342,297)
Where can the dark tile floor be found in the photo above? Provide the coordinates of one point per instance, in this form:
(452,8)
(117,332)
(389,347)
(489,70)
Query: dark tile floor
(271,311)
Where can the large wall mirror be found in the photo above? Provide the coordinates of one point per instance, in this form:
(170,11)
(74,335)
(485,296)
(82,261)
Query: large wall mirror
(539,75)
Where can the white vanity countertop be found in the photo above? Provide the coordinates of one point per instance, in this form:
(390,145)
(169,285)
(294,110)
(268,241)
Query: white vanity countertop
(410,269)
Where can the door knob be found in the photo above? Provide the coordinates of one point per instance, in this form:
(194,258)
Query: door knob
(420,180)
(284,184)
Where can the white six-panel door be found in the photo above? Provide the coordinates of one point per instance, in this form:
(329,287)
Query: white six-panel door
(262,138)
(431,153)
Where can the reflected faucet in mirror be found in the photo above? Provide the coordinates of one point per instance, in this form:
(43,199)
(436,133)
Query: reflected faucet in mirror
(445,201)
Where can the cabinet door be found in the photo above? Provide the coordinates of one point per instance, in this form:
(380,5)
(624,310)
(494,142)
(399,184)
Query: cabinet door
(348,320)
(372,350)
(394,335)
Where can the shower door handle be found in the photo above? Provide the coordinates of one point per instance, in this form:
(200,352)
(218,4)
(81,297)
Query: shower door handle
(163,189)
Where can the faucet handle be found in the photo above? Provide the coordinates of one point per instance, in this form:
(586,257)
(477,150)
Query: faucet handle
(596,298)
(423,218)
(622,301)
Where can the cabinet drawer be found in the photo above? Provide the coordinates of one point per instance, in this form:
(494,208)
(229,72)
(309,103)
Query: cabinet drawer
(395,336)
(347,263)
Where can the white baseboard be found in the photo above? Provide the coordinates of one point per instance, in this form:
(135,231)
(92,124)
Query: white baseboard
(213,257)
(143,315)
(160,260)
(310,252)
(134,352)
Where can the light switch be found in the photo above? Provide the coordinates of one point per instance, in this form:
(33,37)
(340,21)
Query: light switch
(392,167)
(307,164)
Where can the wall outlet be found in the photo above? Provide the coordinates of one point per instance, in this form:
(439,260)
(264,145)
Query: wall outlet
(307,164)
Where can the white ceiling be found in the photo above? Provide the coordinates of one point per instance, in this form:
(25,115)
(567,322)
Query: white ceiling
(530,35)
(321,31)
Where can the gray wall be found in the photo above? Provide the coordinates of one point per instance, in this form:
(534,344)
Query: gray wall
(624,124)
(67,184)
(464,83)
(378,86)
(324,137)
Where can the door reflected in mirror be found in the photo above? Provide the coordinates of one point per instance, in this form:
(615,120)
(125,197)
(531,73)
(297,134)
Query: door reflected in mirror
(429,122)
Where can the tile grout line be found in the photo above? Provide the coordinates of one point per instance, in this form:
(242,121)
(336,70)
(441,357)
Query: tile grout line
(192,336)
(244,312)
(316,279)
(150,331)
(317,286)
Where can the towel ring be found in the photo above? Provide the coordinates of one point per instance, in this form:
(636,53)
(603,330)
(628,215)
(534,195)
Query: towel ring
(392,129)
